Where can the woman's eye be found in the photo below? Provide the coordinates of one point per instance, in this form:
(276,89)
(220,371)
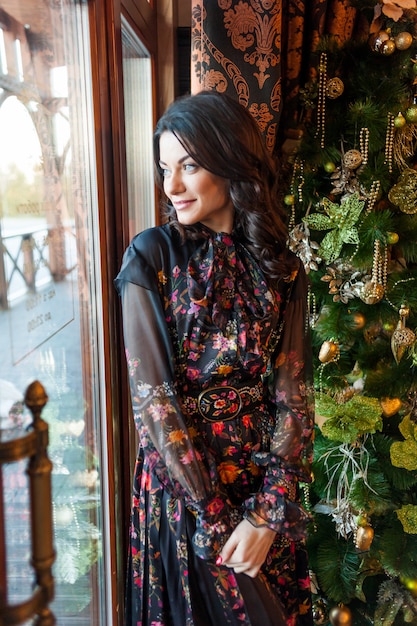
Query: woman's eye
(190,167)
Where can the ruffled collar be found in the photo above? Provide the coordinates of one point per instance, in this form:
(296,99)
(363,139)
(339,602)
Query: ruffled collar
(225,283)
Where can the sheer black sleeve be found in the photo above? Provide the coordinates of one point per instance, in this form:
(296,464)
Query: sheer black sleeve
(174,453)
(288,461)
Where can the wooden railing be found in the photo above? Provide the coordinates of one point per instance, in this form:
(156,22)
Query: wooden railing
(26,253)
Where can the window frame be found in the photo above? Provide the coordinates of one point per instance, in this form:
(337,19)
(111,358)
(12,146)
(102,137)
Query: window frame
(108,94)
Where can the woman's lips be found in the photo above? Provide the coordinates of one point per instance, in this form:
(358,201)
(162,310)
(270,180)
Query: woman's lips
(179,205)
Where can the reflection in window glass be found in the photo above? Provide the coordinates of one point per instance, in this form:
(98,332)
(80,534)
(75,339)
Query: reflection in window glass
(49,286)
(3,60)
(19,64)
(137,79)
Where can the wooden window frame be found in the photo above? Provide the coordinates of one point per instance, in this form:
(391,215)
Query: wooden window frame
(151,21)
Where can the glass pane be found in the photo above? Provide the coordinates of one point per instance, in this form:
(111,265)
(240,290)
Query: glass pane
(50,308)
(137,79)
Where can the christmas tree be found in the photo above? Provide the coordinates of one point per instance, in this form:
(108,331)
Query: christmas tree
(352,201)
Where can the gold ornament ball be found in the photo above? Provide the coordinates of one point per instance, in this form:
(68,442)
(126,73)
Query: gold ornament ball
(392,238)
(411,114)
(329,167)
(352,159)
(319,612)
(377,39)
(387,47)
(364,538)
(371,292)
(289,199)
(340,616)
(403,40)
(399,120)
(358,320)
(410,584)
(362,519)
(334,87)
(372,332)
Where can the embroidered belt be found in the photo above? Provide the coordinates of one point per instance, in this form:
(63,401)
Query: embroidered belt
(224,402)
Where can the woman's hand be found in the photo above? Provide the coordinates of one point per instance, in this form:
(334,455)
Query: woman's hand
(246,549)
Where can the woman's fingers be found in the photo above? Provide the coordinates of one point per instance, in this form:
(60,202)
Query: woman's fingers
(246,549)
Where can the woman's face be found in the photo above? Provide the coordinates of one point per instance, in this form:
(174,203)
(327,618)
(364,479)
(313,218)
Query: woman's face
(196,194)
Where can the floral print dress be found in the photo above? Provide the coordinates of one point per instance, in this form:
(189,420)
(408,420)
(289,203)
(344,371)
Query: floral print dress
(222,402)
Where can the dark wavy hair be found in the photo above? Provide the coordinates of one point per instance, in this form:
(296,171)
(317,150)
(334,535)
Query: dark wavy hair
(223,138)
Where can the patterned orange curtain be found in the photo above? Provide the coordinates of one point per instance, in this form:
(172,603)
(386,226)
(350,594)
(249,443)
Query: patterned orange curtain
(258,51)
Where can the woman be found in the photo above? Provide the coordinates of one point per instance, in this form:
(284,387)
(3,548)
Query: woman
(214,310)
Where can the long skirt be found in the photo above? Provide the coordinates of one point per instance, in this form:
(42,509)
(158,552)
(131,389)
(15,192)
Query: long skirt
(168,585)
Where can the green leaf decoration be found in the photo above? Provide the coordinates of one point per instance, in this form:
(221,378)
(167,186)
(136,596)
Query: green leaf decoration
(408,518)
(340,220)
(404,453)
(318,221)
(349,420)
(408,428)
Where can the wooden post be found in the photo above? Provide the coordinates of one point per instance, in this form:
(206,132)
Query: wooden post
(39,471)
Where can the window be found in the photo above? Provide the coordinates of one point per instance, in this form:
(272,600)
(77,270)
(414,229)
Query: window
(50,295)
(137,80)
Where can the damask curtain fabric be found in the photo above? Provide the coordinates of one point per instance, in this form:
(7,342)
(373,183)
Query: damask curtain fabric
(259,51)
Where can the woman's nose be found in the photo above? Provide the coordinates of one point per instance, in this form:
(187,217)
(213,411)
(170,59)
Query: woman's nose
(174,183)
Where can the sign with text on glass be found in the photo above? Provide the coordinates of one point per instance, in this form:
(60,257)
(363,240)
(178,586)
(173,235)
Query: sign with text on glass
(48,304)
